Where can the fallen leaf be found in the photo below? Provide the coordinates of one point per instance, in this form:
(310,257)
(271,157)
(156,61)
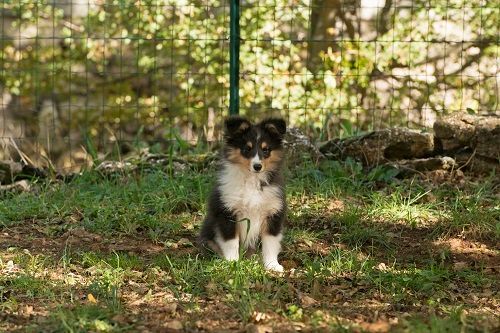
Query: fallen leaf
(258,316)
(137,302)
(102,326)
(119,318)
(10,266)
(253,328)
(184,242)
(170,308)
(376,327)
(26,310)
(91,299)
(174,325)
(298,326)
(211,287)
(307,301)
(307,242)
(487,293)
(460,265)
(336,205)
(382,267)
(289,264)
(316,288)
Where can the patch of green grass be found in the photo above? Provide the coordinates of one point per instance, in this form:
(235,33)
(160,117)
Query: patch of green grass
(107,281)
(344,232)
(307,236)
(103,204)
(84,318)
(472,211)
(28,286)
(334,178)
(338,263)
(116,260)
(471,220)
(399,282)
(357,231)
(429,283)
(33,263)
(455,321)
(246,286)
(402,205)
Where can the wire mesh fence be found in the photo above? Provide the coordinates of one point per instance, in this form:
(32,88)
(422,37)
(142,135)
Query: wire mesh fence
(81,79)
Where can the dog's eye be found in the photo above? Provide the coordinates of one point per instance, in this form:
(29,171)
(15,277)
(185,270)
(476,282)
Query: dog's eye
(247,149)
(266,151)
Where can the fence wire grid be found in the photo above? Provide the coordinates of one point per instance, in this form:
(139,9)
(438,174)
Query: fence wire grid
(85,78)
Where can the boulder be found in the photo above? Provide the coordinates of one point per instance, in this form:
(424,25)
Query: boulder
(17,187)
(8,171)
(381,146)
(410,167)
(474,141)
(298,147)
(454,131)
(460,131)
(476,164)
(487,139)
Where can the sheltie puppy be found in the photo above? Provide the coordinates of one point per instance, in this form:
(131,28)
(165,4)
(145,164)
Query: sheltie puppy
(247,202)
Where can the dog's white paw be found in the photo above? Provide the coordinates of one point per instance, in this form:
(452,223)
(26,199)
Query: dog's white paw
(274,266)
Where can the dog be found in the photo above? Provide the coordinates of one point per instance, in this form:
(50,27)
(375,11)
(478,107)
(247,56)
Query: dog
(248,202)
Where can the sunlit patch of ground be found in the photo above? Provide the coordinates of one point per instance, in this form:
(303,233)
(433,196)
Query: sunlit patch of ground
(113,254)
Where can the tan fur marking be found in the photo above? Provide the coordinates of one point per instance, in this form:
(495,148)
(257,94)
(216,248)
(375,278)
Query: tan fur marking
(249,144)
(244,125)
(264,145)
(234,156)
(273,161)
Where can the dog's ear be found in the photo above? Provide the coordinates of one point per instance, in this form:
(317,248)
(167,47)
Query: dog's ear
(236,125)
(274,126)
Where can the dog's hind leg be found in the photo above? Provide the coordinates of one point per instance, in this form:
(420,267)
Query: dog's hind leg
(230,248)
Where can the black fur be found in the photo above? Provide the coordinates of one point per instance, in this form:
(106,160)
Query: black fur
(239,132)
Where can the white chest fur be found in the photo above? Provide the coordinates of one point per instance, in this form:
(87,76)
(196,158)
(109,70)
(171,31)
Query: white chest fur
(242,193)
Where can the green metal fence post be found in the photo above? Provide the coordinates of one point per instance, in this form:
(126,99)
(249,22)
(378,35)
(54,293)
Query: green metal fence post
(234,57)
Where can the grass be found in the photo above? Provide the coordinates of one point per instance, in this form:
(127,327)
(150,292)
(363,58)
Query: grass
(363,252)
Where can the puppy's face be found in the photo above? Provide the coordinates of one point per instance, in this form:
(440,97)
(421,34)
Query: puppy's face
(254,147)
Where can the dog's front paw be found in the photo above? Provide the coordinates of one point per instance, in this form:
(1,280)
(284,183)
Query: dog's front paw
(274,266)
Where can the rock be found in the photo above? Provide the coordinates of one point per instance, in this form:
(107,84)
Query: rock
(475,163)
(459,131)
(455,131)
(409,167)
(299,147)
(145,160)
(30,171)
(8,171)
(109,167)
(381,146)
(474,141)
(487,139)
(20,186)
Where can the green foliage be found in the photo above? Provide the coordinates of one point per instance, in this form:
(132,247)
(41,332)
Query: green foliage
(164,63)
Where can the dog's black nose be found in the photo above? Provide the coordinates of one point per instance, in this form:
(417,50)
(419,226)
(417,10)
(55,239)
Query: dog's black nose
(257,166)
